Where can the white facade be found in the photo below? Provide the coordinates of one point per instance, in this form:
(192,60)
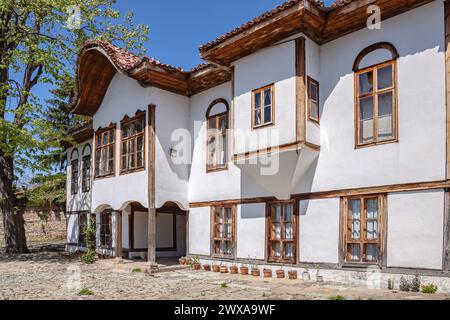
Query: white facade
(414,220)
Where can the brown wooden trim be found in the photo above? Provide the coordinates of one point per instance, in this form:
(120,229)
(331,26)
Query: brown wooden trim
(272,107)
(233,232)
(151,236)
(118,234)
(113,128)
(416,186)
(371,48)
(212,104)
(447,83)
(316,83)
(126,120)
(131,229)
(300,88)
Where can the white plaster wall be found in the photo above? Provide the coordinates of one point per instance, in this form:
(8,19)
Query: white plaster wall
(319,231)
(164,235)
(415,229)
(312,53)
(82,200)
(251,231)
(419,155)
(72,228)
(272,65)
(200,231)
(140,230)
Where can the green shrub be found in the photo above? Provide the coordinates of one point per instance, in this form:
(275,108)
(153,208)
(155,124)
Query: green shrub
(337,298)
(85,292)
(136,270)
(90,233)
(429,288)
(224,285)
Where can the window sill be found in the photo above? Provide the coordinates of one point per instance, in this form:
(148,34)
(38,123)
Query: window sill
(123,173)
(105,177)
(217,170)
(263,126)
(374,144)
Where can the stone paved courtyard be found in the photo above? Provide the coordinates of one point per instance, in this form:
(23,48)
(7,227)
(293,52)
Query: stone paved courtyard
(48,273)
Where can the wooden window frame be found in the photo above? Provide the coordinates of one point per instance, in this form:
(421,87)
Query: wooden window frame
(86,173)
(214,167)
(272,107)
(74,177)
(346,230)
(310,82)
(139,117)
(374,94)
(107,214)
(102,147)
(82,228)
(269,240)
(215,238)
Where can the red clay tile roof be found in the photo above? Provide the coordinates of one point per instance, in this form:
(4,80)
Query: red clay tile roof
(264,16)
(340,3)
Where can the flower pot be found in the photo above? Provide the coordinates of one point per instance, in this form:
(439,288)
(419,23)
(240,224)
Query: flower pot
(234,270)
(197,266)
(306,276)
(244,271)
(188,261)
(267,273)
(256,272)
(215,268)
(223,269)
(292,274)
(182,261)
(319,278)
(280,274)
(207,267)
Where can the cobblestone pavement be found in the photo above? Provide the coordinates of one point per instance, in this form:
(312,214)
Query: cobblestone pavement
(51,274)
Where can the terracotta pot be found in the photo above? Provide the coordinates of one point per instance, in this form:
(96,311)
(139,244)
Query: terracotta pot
(244,271)
(197,266)
(188,261)
(256,272)
(292,275)
(267,273)
(182,261)
(215,268)
(234,270)
(223,269)
(207,267)
(280,274)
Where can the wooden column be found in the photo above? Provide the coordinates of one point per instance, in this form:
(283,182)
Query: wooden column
(118,234)
(447,81)
(300,87)
(151,241)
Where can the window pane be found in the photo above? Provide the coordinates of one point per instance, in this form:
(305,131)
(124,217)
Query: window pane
(276,213)
(366,82)
(257,100)
(288,213)
(267,114)
(355,216)
(354,252)
(277,231)
(140,125)
(105,138)
(267,97)
(314,110)
(385,116)
(125,131)
(111,136)
(276,248)
(289,250)
(258,117)
(223,123)
(366,120)
(99,140)
(371,252)
(140,143)
(212,123)
(289,231)
(385,77)
(140,159)
(371,219)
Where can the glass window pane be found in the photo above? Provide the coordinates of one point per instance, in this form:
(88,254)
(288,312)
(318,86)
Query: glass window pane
(313,92)
(385,77)
(289,250)
(140,125)
(105,138)
(289,231)
(111,136)
(355,216)
(258,117)
(257,100)
(366,122)
(277,231)
(223,123)
(371,208)
(385,116)
(267,114)
(140,143)
(212,123)
(314,114)
(366,82)
(354,252)
(276,248)
(371,252)
(288,213)
(276,213)
(267,97)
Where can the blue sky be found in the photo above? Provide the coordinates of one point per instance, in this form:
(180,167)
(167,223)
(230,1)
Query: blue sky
(178,27)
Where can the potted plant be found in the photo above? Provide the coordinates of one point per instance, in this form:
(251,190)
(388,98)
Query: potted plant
(223,269)
(244,270)
(256,272)
(182,261)
(305,275)
(280,273)
(188,261)
(234,269)
(267,273)
(195,263)
(292,274)
(215,267)
(207,267)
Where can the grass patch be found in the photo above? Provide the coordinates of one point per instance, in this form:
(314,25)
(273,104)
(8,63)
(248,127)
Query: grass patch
(136,270)
(429,288)
(224,285)
(85,292)
(337,298)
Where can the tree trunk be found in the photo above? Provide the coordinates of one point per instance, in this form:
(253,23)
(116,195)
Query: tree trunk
(13,222)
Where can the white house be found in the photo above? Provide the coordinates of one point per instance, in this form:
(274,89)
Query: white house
(312,137)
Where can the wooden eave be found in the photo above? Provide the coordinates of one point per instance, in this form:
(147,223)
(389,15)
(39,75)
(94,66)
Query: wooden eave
(79,134)
(320,24)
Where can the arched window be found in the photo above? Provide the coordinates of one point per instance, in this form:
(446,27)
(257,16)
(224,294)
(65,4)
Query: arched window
(74,173)
(376,95)
(216,135)
(86,170)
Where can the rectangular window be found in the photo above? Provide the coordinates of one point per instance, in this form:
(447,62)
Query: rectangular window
(105,142)
(106,229)
(313,100)
(86,174)
(376,104)
(282,232)
(82,223)
(363,229)
(216,142)
(74,178)
(263,106)
(223,225)
(133,144)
